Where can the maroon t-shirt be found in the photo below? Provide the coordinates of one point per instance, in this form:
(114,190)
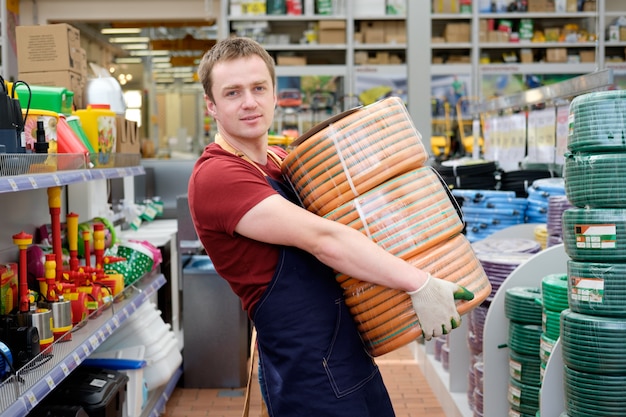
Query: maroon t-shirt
(222,188)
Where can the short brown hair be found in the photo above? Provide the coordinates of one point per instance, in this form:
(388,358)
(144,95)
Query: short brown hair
(227,50)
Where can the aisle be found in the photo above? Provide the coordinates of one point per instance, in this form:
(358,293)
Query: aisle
(409,391)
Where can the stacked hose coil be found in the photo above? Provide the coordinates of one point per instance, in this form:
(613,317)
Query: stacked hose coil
(538,195)
(554,299)
(520,181)
(365,168)
(557,204)
(523,309)
(593,328)
(500,256)
(463,174)
(475,328)
(595,365)
(486,212)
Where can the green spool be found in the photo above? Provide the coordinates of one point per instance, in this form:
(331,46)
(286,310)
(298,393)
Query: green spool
(524,338)
(554,292)
(593,344)
(596,180)
(595,234)
(525,368)
(521,305)
(597,288)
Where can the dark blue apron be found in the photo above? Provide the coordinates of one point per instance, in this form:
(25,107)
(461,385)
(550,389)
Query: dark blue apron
(311,358)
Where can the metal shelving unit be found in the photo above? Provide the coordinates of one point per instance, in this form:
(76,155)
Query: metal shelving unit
(20,393)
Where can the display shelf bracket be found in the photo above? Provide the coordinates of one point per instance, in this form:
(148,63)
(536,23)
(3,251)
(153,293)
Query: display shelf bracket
(568,88)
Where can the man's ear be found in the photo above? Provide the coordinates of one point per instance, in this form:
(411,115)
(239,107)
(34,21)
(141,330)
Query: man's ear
(210,106)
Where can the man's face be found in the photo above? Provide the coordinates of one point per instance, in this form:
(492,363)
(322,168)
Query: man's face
(244,98)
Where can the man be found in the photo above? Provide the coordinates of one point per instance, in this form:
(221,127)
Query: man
(280,258)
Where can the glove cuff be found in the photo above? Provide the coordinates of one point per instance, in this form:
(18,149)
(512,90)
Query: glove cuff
(423,285)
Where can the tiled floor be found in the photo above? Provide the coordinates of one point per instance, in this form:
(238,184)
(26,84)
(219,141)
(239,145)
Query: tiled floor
(409,391)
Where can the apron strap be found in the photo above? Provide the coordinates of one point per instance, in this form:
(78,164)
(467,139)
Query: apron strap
(230,148)
(246,403)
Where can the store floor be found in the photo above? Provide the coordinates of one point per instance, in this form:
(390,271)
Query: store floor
(410,393)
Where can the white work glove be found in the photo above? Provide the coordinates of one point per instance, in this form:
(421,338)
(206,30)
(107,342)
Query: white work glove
(434,304)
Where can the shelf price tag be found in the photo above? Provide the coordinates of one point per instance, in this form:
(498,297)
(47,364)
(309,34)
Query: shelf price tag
(33,182)
(109,328)
(50,382)
(13,184)
(93,342)
(56,179)
(65,369)
(76,357)
(116,322)
(30,396)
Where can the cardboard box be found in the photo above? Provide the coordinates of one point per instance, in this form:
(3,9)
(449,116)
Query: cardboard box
(290,60)
(556,54)
(589,6)
(457,32)
(71,80)
(622,33)
(526,56)
(395,32)
(48,48)
(541,6)
(331,31)
(587,56)
(127,140)
(445,6)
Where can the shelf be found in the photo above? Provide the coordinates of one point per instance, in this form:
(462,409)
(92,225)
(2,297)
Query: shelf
(45,372)
(37,181)
(451,45)
(451,69)
(379,46)
(451,16)
(537,68)
(532,45)
(305,47)
(537,15)
(310,70)
(449,386)
(157,399)
(552,260)
(284,18)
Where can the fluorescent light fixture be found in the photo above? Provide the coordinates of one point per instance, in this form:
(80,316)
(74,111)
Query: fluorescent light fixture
(134,46)
(161,59)
(150,53)
(161,65)
(120,31)
(128,60)
(130,39)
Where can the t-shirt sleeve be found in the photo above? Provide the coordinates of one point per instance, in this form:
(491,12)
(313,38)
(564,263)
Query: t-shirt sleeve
(224,190)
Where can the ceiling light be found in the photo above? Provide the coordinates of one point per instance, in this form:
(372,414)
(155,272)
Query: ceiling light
(150,53)
(134,46)
(130,39)
(128,60)
(120,31)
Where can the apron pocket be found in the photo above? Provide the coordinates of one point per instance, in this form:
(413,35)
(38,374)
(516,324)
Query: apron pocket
(347,363)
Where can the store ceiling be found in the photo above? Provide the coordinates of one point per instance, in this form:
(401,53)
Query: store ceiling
(172,49)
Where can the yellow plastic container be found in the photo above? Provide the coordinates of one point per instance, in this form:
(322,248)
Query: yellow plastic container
(98,122)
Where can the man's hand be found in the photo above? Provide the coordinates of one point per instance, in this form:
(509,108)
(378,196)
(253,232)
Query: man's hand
(434,304)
